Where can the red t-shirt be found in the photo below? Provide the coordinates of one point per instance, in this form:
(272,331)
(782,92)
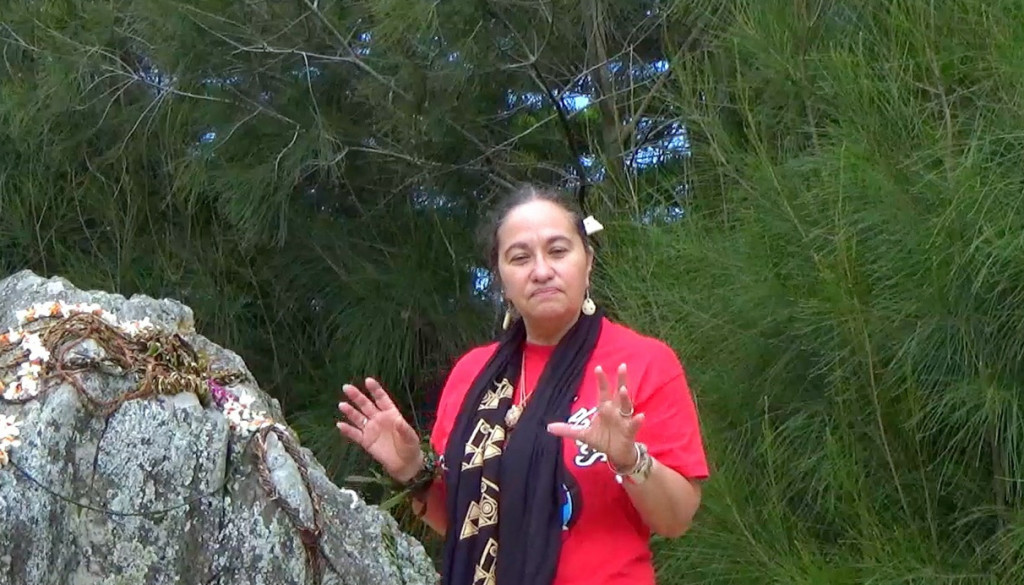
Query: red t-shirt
(605,542)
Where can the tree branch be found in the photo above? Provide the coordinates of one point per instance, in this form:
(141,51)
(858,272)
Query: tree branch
(610,126)
(563,118)
(265,47)
(640,112)
(353,56)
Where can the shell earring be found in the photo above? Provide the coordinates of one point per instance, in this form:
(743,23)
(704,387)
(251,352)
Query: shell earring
(507,321)
(588,304)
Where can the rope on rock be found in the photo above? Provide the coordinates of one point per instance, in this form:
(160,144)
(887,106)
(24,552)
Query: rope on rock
(310,535)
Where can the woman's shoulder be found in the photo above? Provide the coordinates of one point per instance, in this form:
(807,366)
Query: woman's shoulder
(474,358)
(652,361)
(461,375)
(625,338)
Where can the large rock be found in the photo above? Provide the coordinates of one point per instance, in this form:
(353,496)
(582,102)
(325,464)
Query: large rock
(194,484)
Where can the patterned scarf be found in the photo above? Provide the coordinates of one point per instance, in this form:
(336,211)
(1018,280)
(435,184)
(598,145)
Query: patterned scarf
(515,476)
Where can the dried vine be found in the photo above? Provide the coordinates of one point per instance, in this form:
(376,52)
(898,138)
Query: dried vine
(310,535)
(164,363)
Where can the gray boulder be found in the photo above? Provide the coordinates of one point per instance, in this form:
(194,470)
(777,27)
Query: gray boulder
(123,460)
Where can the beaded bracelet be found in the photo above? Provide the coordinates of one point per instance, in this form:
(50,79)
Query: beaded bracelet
(421,482)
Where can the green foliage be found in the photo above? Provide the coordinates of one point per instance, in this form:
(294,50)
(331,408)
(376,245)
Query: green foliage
(844,286)
(845,292)
(290,228)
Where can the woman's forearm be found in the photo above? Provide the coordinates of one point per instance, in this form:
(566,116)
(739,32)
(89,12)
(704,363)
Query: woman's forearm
(430,508)
(666,501)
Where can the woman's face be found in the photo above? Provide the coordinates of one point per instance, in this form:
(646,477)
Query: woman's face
(543,264)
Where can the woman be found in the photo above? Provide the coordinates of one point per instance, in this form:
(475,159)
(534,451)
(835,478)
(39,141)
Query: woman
(532,433)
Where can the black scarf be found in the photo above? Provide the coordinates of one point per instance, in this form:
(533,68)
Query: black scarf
(525,465)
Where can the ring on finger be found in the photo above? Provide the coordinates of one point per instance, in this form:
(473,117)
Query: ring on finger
(631,408)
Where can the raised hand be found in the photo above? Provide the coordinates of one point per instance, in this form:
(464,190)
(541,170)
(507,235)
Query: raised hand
(378,427)
(614,426)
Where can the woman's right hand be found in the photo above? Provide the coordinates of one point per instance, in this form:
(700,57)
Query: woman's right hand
(378,427)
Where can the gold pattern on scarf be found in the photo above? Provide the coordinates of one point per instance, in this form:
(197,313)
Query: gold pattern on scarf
(485,569)
(485,443)
(493,397)
(483,512)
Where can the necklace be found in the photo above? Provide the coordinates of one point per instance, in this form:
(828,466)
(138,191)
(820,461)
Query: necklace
(516,410)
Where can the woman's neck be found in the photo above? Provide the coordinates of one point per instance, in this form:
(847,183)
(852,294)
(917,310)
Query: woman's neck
(548,335)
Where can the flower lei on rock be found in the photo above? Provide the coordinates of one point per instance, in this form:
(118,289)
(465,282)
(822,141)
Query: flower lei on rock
(238,410)
(41,347)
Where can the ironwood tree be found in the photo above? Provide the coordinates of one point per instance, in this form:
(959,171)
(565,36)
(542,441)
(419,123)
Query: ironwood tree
(815,202)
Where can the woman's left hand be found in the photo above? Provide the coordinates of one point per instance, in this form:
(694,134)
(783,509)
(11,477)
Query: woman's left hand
(613,429)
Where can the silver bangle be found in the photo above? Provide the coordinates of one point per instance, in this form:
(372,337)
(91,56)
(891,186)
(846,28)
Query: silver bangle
(641,469)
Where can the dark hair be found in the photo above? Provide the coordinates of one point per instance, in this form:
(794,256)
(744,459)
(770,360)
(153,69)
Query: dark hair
(525,194)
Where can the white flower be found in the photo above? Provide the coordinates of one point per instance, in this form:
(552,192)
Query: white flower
(29,369)
(25,316)
(9,433)
(242,419)
(83,308)
(10,439)
(135,327)
(35,348)
(29,385)
(9,425)
(14,336)
(12,391)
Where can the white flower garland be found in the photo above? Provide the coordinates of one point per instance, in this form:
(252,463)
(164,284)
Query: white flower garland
(241,417)
(27,384)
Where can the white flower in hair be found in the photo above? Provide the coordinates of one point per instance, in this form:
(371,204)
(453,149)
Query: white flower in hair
(591,225)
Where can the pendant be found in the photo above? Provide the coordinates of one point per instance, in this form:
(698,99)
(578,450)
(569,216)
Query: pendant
(512,416)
